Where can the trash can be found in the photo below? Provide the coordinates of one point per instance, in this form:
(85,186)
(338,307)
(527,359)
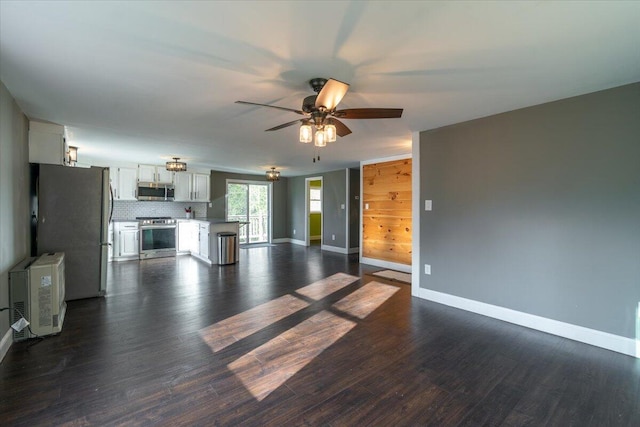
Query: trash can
(227,248)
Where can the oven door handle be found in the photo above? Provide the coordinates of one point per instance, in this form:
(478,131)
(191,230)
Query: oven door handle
(156,227)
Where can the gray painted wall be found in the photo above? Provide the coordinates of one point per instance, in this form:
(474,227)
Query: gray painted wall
(334,217)
(538,210)
(354,208)
(280,199)
(14,191)
(334,191)
(295,201)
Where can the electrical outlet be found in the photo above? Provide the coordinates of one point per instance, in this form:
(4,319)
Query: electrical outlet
(294,231)
(428,205)
(342,206)
(427,269)
(333,237)
(366,205)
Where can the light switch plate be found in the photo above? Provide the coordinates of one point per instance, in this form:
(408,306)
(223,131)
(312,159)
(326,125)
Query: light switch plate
(427,269)
(342,206)
(366,205)
(428,205)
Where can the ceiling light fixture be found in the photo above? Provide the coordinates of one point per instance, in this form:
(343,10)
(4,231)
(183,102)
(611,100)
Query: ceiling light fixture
(324,133)
(273,175)
(176,166)
(72,155)
(305,132)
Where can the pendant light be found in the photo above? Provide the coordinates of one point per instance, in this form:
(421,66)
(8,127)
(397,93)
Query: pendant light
(273,175)
(305,133)
(176,166)
(330,132)
(321,138)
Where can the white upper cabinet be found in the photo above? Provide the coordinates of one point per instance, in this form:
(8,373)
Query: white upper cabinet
(191,187)
(124,182)
(201,187)
(157,174)
(183,186)
(46,143)
(163,175)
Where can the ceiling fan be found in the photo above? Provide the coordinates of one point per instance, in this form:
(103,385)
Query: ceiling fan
(320,111)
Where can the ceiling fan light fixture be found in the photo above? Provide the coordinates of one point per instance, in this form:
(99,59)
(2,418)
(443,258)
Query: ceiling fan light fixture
(306,134)
(176,165)
(273,175)
(321,138)
(330,132)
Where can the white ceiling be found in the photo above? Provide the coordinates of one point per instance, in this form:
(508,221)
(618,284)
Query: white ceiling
(145,81)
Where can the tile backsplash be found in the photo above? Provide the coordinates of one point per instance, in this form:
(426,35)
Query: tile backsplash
(125,209)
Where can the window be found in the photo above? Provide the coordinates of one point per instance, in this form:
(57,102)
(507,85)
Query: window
(315,200)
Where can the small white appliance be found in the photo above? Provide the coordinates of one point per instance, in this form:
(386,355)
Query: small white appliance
(36,292)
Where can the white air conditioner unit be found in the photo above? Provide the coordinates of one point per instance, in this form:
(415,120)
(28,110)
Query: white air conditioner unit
(36,292)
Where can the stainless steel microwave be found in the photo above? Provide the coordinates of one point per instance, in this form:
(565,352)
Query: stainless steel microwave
(157,192)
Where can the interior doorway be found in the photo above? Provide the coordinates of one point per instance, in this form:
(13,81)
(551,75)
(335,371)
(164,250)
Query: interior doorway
(313,211)
(249,202)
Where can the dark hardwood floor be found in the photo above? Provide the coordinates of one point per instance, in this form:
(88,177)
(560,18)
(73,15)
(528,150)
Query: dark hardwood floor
(139,357)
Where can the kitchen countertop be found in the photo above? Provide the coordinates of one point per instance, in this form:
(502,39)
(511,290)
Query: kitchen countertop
(213,220)
(209,220)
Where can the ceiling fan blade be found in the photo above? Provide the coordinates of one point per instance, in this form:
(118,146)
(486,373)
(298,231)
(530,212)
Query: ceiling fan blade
(272,106)
(341,128)
(331,94)
(369,113)
(284,125)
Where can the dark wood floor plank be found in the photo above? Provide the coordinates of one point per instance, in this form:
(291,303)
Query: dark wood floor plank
(138,357)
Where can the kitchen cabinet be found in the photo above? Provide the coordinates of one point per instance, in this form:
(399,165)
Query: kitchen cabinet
(125,183)
(192,187)
(186,235)
(46,143)
(110,241)
(156,174)
(203,241)
(182,186)
(126,244)
(201,187)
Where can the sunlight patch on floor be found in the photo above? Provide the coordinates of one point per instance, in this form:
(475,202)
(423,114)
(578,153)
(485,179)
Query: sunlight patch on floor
(327,286)
(228,331)
(365,300)
(269,366)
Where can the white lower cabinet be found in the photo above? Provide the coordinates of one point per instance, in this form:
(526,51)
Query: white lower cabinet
(125,238)
(203,241)
(110,240)
(185,236)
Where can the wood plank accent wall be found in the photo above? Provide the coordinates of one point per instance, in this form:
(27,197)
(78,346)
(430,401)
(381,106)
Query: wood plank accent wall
(386,225)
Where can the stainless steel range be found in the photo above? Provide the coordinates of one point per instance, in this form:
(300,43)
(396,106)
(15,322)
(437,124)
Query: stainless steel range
(157,237)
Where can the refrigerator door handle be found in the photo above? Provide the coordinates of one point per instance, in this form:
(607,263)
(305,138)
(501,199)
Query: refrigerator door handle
(111,201)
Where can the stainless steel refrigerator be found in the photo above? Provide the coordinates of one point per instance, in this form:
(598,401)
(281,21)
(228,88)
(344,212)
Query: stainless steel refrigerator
(70,213)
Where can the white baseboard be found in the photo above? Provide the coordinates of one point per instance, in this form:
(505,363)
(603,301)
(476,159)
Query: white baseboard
(386,264)
(336,249)
(612,342)
(315,237)
(282,240)
(5,344)
(298,242)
